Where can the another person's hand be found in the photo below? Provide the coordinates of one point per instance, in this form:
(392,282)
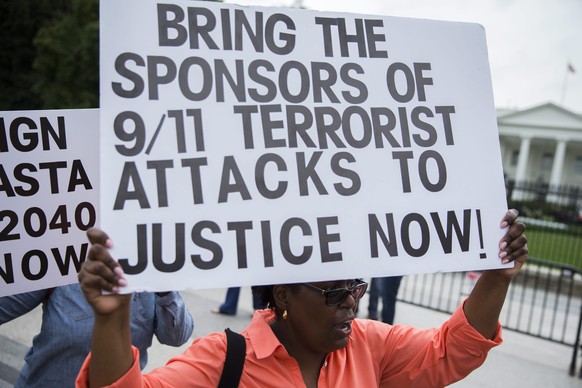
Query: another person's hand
(100,272)
(513,246)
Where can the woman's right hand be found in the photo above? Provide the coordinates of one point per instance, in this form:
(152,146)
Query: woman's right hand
(100,272)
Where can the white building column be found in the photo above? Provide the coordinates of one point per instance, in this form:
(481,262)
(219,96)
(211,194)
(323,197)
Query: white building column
(522,160)
(558,164)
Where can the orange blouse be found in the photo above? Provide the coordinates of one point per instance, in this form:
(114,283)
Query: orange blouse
(377,355)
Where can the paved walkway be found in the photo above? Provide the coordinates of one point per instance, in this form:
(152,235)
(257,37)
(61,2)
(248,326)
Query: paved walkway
(522,361)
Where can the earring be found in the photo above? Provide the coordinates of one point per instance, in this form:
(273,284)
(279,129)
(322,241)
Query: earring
(284,316)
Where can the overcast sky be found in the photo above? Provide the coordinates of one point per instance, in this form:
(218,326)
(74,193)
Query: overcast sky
(530,42)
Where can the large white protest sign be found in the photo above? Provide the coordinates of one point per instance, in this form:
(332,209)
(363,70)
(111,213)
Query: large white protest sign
(248,146)
(49,178)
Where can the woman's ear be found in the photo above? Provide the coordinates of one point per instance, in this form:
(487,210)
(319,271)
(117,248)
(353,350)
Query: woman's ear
(280,293)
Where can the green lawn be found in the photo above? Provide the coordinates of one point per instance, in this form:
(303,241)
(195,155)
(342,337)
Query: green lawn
(558,246)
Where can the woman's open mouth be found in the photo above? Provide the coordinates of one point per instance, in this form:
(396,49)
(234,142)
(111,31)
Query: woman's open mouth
(344,328)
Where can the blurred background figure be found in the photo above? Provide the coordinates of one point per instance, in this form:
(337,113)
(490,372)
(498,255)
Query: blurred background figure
(387,289)
(58,351)
(230,305)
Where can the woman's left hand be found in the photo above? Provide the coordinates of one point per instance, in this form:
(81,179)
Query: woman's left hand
(513,246)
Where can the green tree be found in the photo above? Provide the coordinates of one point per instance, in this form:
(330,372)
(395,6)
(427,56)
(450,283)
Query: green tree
(19,23)
(67,58)
(49,54)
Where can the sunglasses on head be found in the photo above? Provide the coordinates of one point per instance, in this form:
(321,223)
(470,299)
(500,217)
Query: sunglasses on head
(336,296)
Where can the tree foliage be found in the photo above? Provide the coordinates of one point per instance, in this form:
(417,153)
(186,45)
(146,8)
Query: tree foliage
(67,58)
(49,54)
(19,22)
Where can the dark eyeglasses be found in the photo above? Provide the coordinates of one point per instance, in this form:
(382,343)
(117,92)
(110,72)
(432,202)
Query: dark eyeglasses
(337,296)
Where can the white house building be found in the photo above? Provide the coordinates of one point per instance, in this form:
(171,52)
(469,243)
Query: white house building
(543,144)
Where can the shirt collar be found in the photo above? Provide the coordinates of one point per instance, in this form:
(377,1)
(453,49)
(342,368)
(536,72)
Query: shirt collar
(262,338)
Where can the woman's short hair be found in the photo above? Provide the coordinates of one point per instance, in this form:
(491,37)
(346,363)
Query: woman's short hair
(265,294)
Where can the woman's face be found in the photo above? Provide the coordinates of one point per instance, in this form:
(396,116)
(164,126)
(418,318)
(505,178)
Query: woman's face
(315,325)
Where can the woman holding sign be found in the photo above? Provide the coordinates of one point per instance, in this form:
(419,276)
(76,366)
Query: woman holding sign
(308,336)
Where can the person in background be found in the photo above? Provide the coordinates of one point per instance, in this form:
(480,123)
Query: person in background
(230,305)
(64,341)
(387,289)
(308,336)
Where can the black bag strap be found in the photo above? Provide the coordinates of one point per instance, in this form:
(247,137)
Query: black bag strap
(234,361)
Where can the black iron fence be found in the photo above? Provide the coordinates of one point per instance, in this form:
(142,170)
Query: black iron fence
(553,214)
(540,200)
(544,300)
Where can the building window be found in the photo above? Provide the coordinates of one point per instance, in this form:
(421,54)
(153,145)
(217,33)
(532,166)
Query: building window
(547,162)
(578,165)
(514,157)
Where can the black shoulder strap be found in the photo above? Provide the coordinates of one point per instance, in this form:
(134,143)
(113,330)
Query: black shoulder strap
(234,361)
